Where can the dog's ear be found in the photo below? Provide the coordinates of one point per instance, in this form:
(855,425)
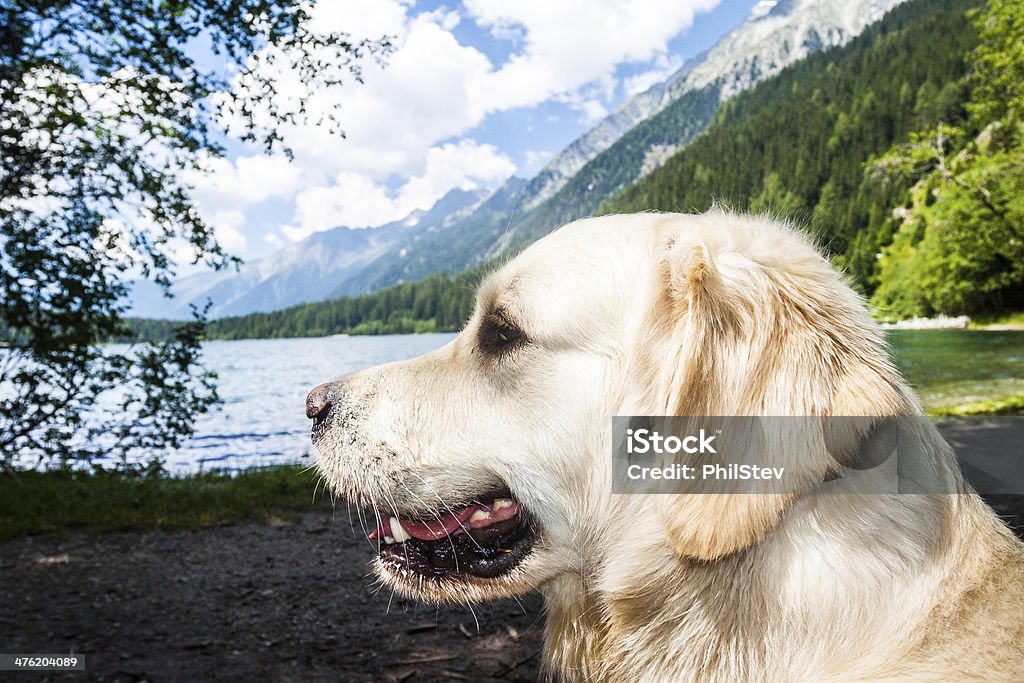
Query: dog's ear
(716,345)
(767,330)
(710,526)
(684,362)
(676,357)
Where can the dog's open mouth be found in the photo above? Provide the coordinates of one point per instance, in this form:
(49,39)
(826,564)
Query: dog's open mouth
(483,539)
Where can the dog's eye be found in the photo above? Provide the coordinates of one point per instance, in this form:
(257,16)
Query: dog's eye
(497,334)
(506,334)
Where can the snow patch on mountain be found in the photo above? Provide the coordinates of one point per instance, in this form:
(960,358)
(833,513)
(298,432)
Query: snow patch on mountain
(775,34)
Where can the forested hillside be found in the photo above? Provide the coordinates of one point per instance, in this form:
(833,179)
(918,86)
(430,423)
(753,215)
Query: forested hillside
(797,145)
(613,169)
(434,304)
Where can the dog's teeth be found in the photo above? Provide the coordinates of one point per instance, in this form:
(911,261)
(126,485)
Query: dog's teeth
(480,515)
(389,540)
(400,535)
(500,503)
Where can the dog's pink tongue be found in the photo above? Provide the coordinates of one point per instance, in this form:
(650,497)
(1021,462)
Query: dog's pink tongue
(431,530)
(445,524)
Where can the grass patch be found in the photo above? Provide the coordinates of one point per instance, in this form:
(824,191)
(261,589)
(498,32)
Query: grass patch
(1009,405)
(56,502)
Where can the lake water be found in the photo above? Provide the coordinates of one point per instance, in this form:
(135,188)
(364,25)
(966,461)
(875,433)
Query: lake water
(263,384)
(947,367)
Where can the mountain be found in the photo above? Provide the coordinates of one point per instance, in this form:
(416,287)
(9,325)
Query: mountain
(797,144)
(309,270)
(448,248)
(570,160)
(637,138)
(774,35)
(629,144)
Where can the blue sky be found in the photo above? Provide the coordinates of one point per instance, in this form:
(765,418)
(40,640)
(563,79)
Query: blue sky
(474,93)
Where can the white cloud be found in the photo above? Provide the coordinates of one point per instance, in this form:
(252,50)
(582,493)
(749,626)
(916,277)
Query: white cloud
(593,111)
(360,19)
(226,226)
(574,42)
(225,190)
(434,88)
(293,234)
(410,119)
(664,66)
(352,199)
(537,157)
(466,165)
(356,201)
(249,178)
(429,91)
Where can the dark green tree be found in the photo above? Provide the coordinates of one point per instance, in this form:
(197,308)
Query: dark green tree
(104,105)
(960,245)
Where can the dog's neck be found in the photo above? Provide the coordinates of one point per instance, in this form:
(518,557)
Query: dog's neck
(647,614)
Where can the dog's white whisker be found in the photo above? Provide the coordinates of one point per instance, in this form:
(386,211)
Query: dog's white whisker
(399,535)
(351,522)
(473,612)
(446,507)
(448,537)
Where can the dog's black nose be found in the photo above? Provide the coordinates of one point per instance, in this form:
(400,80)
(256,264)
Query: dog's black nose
(319,402)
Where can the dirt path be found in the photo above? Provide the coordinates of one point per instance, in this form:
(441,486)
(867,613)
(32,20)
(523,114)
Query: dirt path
(259,602)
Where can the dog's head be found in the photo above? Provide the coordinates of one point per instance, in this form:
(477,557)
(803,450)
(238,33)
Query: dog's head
(488,461)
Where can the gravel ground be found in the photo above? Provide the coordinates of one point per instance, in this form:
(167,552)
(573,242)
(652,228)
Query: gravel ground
(262,602)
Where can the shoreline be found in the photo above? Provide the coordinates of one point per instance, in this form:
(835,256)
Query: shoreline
(1010,323)
(941,322)
(58,502)
(1012,404)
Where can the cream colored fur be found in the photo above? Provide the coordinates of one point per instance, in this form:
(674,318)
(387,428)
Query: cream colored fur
(661,314)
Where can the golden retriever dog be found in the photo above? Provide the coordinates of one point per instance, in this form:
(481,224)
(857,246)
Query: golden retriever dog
(489,465)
